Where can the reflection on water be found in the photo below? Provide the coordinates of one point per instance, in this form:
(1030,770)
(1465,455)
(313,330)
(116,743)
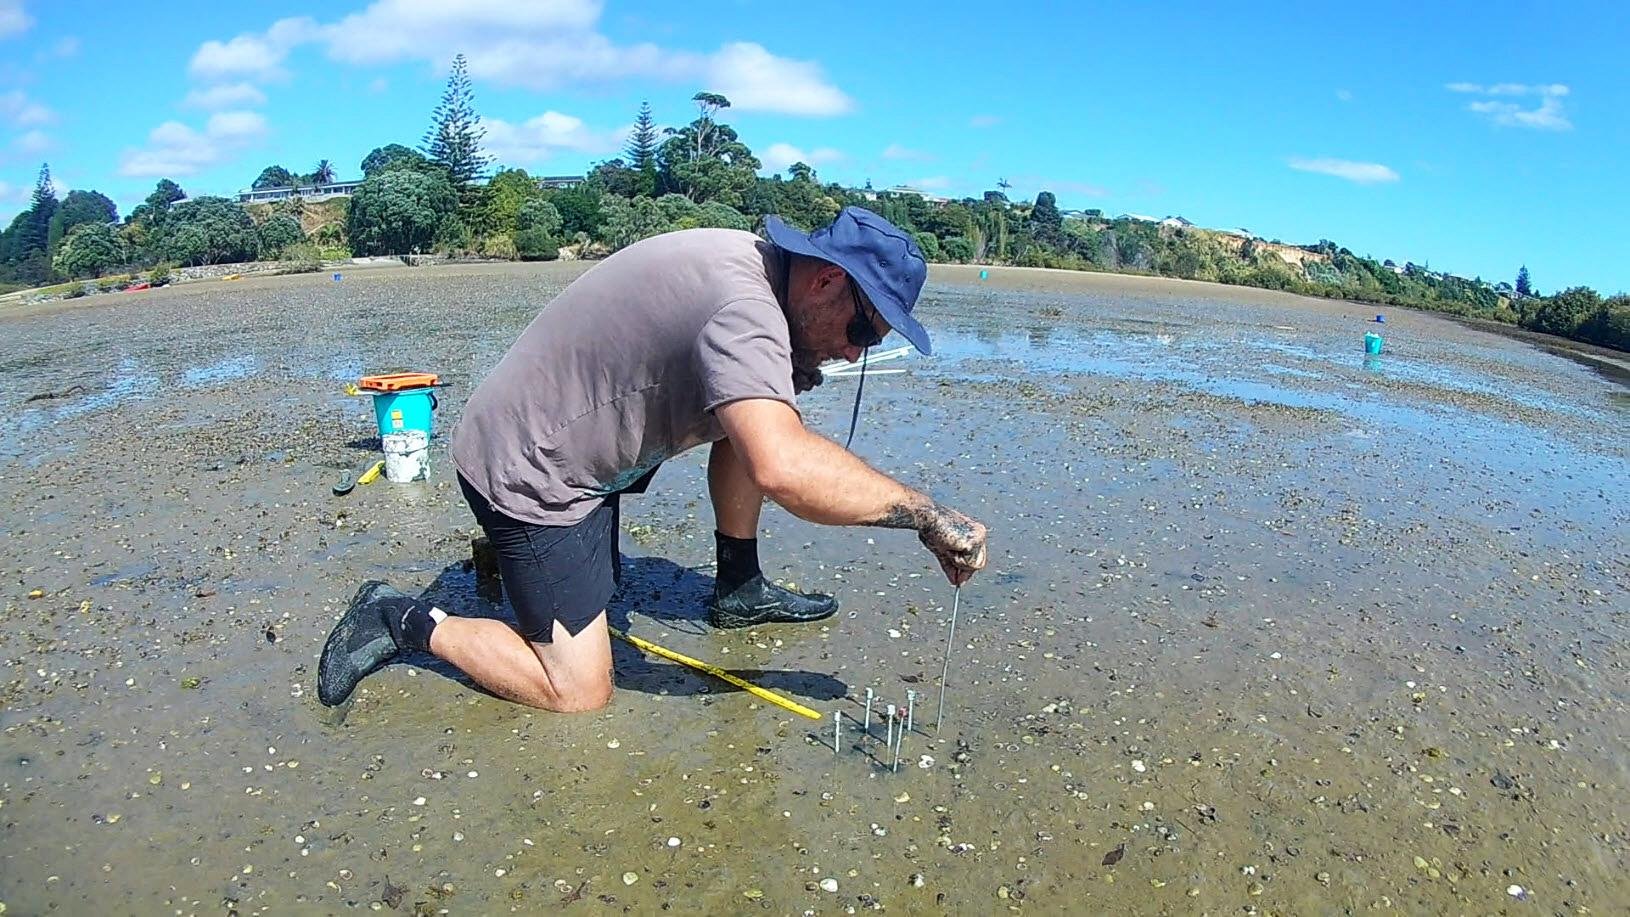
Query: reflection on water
(223,370)
(1235,368)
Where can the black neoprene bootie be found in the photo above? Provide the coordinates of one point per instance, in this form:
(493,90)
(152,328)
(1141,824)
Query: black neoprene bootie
(759,601)
(360,643)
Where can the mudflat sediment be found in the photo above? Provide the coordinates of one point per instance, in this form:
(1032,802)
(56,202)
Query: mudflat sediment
(1268,624)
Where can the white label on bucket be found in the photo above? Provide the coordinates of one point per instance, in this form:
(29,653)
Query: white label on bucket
(396,419)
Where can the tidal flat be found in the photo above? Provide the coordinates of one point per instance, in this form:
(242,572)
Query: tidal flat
(1269,626)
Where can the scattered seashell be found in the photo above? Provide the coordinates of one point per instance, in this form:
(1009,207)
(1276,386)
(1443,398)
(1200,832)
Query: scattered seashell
(830,884)
(629,878)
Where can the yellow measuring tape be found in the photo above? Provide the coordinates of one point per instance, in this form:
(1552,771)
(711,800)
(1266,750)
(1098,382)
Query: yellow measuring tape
(717,672)
(372,473)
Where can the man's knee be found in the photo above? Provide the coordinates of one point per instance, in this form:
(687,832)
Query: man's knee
(584,698)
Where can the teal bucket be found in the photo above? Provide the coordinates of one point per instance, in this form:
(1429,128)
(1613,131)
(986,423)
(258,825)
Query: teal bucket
(409,409)
(1372,343)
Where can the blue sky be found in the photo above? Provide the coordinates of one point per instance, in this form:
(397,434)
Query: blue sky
(1473,137)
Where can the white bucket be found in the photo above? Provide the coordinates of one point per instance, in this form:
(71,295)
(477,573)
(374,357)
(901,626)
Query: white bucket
(407,456)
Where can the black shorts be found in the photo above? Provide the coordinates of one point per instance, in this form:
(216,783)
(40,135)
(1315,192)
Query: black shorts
(553,573)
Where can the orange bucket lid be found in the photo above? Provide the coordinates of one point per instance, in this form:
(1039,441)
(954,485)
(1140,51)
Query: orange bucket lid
(396,382)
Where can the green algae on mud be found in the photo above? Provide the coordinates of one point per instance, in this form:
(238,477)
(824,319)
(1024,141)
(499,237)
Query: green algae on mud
(1289,630)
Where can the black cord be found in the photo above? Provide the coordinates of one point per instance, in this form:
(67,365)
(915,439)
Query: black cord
(854,417)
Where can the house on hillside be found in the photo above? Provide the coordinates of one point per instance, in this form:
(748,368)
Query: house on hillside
(1176,223)
(304,192)
(1137,216)
(559,182)
(917,192)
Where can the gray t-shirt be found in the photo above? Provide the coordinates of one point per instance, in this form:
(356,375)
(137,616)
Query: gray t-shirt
(623,370)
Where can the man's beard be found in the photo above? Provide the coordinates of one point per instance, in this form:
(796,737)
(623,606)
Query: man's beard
(806,371)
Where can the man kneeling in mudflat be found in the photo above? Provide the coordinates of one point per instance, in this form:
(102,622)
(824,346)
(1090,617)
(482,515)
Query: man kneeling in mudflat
(692,337)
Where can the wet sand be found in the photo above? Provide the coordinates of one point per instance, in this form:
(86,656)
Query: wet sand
(1269,627)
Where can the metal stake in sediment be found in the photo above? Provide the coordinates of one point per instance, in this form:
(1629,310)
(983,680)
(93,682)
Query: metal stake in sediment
(888,732)
(866,724)
(899,742)
(950,638)
(837,730)
(911,701)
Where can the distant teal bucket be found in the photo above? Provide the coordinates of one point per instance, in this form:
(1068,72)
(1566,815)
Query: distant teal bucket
(1372,343)
(409,409)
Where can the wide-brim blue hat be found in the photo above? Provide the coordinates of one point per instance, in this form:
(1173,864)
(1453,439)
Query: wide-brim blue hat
(880,256)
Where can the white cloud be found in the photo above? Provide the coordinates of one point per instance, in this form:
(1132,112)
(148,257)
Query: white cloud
(984,121)
(543,45)
(1344,95)
(252,57)
(13,20)
(378,86)
(230,95)
(931,183)
(176,150)
(781,155)
(756,80)
(67,47)
(1364,173)
(539,139)
(33,143)
(896,151)
(17,109)
(1550,115)
(1510,89)
(392,30)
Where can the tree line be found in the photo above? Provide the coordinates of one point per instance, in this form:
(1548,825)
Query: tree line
(444,197)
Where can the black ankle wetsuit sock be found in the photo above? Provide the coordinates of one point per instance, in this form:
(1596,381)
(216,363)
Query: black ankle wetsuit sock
(412,621)
(738,561)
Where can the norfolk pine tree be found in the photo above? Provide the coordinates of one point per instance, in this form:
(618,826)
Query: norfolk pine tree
(642,151)
(454,138)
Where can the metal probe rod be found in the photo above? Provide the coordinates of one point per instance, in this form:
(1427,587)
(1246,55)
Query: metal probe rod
(950,639)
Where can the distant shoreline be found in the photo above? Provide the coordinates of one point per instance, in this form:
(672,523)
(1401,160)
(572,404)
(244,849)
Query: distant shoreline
(1613,364)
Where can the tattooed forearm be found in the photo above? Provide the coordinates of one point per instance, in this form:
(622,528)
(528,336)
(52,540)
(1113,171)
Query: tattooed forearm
(905,516)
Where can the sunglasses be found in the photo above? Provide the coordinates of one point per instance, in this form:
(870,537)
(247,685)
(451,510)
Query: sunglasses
(862,330)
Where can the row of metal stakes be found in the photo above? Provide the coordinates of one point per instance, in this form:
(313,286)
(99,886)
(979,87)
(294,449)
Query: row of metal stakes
(897,721)
(896,731)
